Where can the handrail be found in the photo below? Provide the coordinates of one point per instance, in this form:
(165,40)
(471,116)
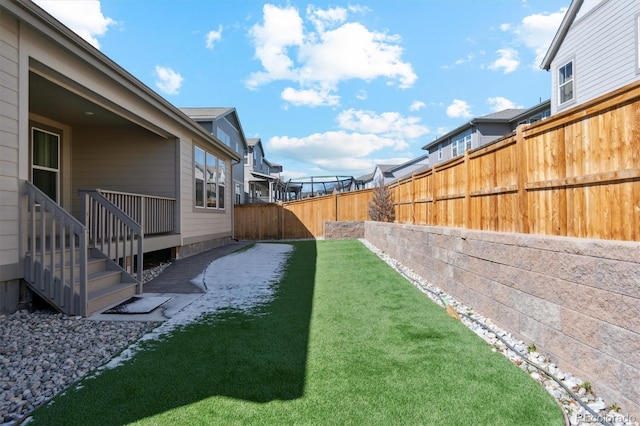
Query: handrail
(52,230)
(155,214)
(114,233)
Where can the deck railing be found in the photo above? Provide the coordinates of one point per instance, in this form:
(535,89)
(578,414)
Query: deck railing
(114,233)
(155,214)
(56,260)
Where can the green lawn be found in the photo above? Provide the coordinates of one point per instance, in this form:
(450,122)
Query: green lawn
(346,341)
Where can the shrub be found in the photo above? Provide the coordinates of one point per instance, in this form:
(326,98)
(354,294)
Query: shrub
(381,207)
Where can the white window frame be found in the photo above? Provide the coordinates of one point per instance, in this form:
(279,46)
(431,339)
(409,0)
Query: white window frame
(213,173)
(566,83)
(460,144)
(439,151)
(223,136)
(35,167)
(467,141)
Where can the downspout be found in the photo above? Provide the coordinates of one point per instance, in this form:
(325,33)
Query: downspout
(233,208)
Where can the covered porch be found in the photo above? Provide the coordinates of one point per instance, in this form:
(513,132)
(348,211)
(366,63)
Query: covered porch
(102,190)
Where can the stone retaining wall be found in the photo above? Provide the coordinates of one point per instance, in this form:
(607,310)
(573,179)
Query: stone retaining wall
(343,230)
(577,300)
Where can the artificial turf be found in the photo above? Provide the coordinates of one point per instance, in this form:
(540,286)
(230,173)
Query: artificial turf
(345,341)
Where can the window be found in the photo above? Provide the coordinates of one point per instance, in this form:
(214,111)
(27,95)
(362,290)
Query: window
(223,136)
(565,83)
(238,193)
(45,162)
(440,152)
(209,177)
(461,144)
(539,116)
(221,179)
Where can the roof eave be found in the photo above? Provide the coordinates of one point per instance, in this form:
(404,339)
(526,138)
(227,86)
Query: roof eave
(574,7)
(43,22)
(467,125)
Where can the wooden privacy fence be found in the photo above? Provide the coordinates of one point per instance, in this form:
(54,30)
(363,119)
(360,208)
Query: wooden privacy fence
(574,174)
(299,219)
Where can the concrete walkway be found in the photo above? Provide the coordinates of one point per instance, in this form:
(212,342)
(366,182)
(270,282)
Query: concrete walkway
(174,283)
(176,278)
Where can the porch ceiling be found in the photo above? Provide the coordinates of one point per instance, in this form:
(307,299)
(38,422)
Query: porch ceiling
(52,101)
(55,102)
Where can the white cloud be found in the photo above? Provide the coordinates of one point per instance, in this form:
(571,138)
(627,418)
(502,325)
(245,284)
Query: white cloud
(508,61)
(282,29)
(505,27)
(361,95)
(336,151)
(388,124)
(442,131)
(417,105)
(459,108)
(321,18)
(335,51)
(85,18)
(361,142)
(467,59)
(499,103)
(309,97)
(213,36)
(167,80)
(537,31)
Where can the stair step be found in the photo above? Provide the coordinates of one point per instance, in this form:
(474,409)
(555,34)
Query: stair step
(108,296)
(104,279)
(94,266)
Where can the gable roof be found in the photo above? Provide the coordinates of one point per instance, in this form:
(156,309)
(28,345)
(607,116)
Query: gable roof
(47,26)
(210,113)
(215,113)
(504,116)
(365,178)
(577,9)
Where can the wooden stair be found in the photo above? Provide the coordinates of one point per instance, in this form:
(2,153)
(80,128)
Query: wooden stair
(107,283)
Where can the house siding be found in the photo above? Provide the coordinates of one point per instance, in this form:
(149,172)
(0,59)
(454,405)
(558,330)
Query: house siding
(133,161)
(489,132)
(237,145)
(9,143)
(603,44)
(201,225)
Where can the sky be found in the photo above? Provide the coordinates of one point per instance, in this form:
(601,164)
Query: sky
(331,88)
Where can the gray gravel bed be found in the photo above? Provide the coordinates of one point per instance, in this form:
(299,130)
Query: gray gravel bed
(44,352)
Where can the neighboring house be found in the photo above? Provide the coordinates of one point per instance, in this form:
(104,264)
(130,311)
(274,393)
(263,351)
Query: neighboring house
(224,123)
(482,130)
(95,169)
(385,174)
(595,51)
(365,181)
(262,179)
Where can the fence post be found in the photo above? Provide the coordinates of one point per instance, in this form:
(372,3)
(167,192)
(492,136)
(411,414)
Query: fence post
(412,197)
(523,201)
(466,216)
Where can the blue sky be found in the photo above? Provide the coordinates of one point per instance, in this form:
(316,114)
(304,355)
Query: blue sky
(331,87)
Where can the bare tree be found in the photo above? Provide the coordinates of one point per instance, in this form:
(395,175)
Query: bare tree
(381,207)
